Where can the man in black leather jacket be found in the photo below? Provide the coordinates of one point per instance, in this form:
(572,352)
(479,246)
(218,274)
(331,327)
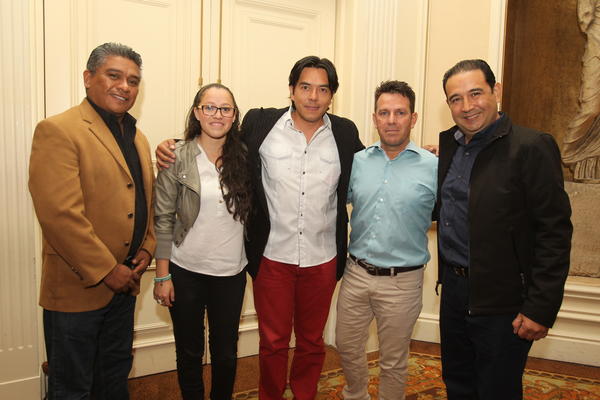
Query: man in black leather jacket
(504,239)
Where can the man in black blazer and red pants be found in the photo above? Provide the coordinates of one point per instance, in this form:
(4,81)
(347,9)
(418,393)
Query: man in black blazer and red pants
(301,158)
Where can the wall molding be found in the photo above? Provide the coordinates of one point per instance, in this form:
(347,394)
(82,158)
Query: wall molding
(26,388)
(497,36)
(279,7)
(156,333)
(156,3)
(154,345)
(277,23)
(575,336)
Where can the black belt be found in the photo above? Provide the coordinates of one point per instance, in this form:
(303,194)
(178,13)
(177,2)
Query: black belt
(459,270)
(382,271)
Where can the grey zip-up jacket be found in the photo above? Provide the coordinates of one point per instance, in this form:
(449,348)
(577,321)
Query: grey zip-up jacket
(177,202)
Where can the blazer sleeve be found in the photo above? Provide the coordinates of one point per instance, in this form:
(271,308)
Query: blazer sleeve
(59,204)
(550,212)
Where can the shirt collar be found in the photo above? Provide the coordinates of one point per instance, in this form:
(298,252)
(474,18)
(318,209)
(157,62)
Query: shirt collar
(376,147)
(288,121)
(110,118)
(481,135)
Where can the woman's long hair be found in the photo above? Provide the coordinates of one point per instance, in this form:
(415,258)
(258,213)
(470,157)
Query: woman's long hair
(232,164)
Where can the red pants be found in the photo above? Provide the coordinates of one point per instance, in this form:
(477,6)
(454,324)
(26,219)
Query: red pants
(286,295)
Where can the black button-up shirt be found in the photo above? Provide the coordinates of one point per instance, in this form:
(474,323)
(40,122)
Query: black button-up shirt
(454,213)
(125,140)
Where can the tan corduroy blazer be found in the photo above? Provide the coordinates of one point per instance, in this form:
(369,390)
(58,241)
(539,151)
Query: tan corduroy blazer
(84,197)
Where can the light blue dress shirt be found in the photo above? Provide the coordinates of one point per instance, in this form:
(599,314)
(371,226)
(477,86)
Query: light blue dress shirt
(392,203)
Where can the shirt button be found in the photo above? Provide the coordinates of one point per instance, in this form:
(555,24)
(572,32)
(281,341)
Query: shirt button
(447,224)
(385,181)
(302,193)
(303,172)
(381,200)
(301,232)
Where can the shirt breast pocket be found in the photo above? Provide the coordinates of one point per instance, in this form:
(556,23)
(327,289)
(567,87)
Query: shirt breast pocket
(329,167)
(277,159)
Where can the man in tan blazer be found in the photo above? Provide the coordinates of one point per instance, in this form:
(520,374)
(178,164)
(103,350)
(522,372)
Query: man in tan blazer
(91,180)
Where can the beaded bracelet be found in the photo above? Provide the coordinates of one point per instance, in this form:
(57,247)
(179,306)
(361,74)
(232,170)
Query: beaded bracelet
(162,278)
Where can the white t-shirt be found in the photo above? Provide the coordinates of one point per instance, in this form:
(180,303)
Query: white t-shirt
(214,245)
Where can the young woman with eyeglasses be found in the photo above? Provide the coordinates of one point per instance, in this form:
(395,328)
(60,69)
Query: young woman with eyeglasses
(202,205)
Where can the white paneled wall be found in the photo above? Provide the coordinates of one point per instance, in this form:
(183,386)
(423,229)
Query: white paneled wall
(20,90)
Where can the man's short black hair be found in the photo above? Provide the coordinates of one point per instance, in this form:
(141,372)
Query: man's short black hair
(99,54)
(315,62)
(471,65)
(396,87)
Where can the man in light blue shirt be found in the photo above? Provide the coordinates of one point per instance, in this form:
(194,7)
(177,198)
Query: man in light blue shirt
(393,191)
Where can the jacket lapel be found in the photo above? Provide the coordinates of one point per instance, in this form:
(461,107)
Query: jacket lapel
(343,148)
(99,129)
(484,155)
(448,147)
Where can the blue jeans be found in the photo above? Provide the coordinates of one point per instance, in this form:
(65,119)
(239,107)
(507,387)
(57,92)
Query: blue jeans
(221,297)
(482,359)
(89,353)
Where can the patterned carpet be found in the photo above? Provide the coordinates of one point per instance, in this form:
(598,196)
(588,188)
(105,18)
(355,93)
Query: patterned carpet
(425,383)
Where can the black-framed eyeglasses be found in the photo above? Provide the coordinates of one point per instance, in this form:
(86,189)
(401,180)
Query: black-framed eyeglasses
(209,110)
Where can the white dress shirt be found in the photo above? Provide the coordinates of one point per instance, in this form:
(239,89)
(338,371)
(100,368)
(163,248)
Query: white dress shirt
(300,181)
(215,243)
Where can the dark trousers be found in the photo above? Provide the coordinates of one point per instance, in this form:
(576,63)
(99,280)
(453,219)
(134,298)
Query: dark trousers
(89,353)
(222,297)
(482,359)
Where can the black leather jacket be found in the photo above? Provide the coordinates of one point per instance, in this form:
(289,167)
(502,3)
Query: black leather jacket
(519,223)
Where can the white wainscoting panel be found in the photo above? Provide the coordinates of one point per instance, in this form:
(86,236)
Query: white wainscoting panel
(575,336)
